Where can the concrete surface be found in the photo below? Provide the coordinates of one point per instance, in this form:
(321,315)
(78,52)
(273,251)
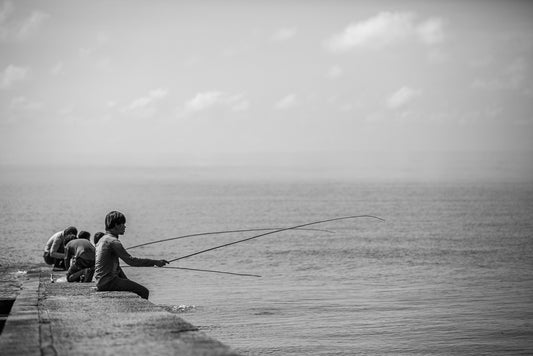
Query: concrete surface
(73,319)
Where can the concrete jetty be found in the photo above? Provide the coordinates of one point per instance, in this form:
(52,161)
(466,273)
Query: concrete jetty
(48,318)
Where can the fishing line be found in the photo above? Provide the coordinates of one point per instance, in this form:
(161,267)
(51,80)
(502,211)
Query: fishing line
(214,271)
(216,233)
(208,270)
(276,231)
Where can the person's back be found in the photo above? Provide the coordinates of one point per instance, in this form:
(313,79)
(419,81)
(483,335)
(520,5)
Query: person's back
(106,261)
(49,243)
(80,248)
(79,258)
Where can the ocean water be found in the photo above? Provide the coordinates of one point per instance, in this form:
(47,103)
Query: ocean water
(449,272)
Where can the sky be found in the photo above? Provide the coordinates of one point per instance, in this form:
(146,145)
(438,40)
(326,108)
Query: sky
(251,82)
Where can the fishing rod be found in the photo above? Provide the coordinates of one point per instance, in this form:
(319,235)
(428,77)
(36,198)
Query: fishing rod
(217,233)
(208,270)
(276,231)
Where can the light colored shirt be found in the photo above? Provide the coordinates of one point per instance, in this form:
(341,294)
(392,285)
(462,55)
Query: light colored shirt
(54,243)
(79,248)
(108,250)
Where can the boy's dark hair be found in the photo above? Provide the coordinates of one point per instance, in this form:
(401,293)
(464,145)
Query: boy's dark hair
(71,230)
(97,237)
(114,218)
(84,235)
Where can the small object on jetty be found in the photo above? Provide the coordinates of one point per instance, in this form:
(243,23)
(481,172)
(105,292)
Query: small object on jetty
(52,277)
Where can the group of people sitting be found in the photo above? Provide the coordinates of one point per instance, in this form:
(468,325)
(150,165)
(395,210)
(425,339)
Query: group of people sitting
(73,252)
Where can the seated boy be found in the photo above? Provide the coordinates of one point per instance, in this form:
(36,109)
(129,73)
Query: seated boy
(109,276)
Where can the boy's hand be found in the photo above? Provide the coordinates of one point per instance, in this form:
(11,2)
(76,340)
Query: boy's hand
(161,263)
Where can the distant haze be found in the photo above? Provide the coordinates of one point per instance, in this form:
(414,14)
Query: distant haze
(369,89)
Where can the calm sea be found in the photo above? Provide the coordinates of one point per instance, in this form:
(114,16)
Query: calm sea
(450,271)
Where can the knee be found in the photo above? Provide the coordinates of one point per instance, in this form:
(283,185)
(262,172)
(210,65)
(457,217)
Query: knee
(144,293)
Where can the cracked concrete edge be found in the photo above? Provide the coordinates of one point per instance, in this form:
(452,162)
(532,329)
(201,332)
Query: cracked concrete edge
(45,328)
(21,334)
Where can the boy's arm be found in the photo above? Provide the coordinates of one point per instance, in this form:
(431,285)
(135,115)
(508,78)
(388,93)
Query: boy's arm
(132,261)
(55,246)
(67,256)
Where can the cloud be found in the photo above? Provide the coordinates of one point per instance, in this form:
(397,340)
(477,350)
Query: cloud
(94,52)
(31,24)
(86,52)
(431,31)
(385,29)
(283,34)
(12,29)
(11,75)
(286,102)
(510,77)
(334,72)
(66,110)
(203,101)
(207,100)
(145,106)
(402,97)
(437,55)
(516,72)
(57,68)
(24,104)
(6,11)
(100,40)
(481,62)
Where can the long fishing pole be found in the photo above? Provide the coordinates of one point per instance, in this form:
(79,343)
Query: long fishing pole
(214,271)
(208,270)
(216,233)
(276,231)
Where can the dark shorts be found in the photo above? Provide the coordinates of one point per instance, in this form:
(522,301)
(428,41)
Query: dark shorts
(125,285)
(57,262)
(81,270)
(47,259)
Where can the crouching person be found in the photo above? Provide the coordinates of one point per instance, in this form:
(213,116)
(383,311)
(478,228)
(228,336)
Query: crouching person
(79,258)
(54,250)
